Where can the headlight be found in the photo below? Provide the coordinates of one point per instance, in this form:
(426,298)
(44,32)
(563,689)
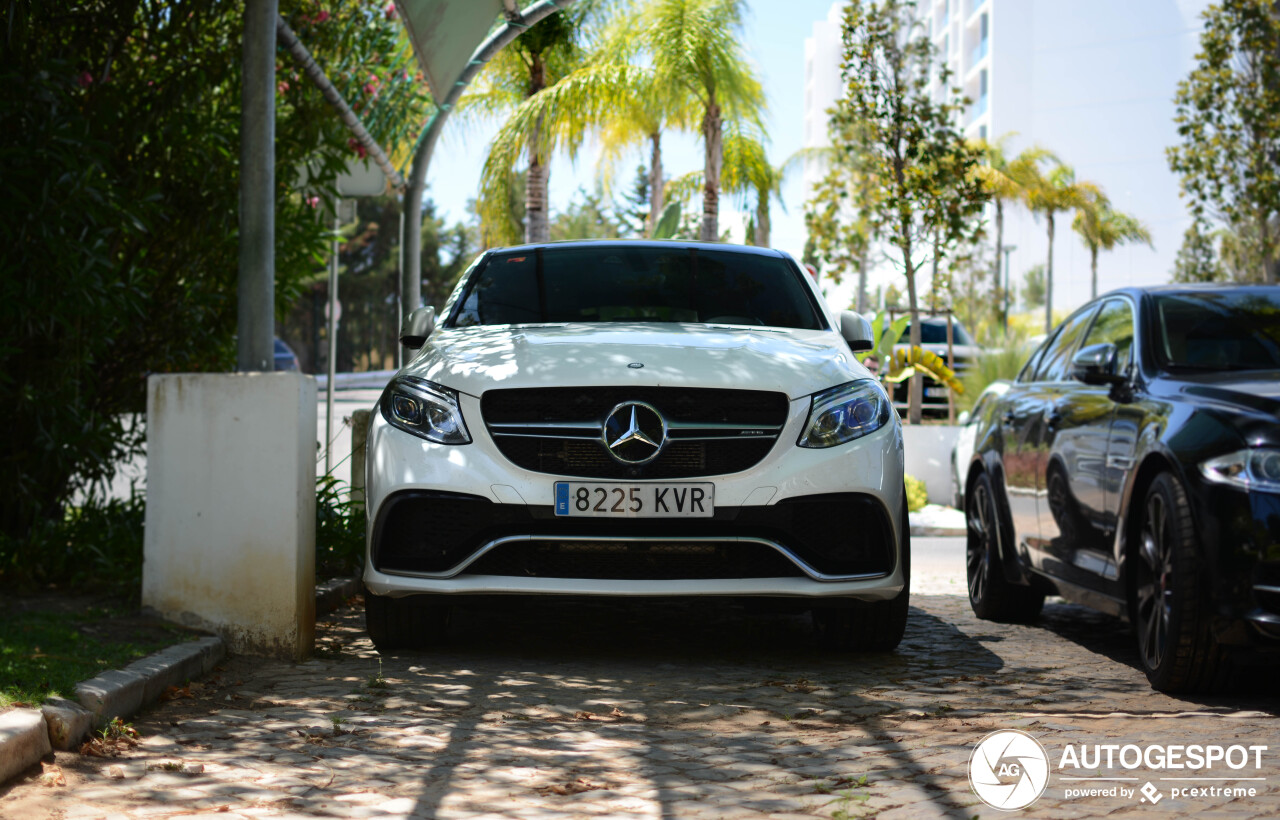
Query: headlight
(844,413)
(425,409)
(1248,469)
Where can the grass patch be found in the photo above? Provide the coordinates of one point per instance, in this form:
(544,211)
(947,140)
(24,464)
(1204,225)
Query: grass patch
(47,646)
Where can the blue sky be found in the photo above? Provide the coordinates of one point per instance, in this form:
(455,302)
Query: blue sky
(773,38)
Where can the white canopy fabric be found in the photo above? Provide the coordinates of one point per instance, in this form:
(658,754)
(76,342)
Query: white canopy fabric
(445,33)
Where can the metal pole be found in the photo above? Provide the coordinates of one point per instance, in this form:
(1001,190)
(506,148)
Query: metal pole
(255,284)
(333,343)
(399,302)
(416,184)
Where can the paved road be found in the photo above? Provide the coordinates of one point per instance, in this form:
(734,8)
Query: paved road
(679,709)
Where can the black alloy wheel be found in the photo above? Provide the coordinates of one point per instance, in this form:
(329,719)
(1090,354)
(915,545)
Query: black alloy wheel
(991,595)
(1169,613)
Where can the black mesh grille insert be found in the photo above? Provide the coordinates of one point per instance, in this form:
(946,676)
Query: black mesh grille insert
(836,534)
(587,457)
(634,561)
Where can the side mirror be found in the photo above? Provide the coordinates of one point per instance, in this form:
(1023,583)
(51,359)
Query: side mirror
(417,327)
(963,418)
(856,331)
(1096,364)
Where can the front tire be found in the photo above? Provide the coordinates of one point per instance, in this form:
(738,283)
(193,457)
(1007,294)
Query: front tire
(404,623)
(1169,613)
(991,595)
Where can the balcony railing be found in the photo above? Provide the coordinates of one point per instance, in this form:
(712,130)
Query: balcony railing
(979,51)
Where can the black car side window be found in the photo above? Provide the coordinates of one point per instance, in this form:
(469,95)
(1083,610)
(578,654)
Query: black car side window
(1114,325)
(1056,361)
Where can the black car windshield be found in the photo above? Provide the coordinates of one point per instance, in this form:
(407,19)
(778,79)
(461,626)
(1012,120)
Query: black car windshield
(935,333)
(1237,329)
(639,283)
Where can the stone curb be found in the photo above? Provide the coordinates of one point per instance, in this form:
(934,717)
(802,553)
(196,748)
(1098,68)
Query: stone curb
(936,531)
(333,593)
(23,740)
(26,735)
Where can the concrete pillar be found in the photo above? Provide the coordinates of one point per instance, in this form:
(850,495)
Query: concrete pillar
(231,507)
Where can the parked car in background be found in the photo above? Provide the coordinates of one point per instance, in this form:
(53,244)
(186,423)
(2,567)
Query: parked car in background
(637,419)
(933,338)
(286,359)
(1134,467)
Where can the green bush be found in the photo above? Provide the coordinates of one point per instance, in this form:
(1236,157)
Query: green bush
(96,546)
(990,366)
(340,524)
(917,495)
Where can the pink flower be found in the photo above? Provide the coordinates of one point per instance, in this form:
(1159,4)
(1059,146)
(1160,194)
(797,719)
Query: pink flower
(357,146)
(321,17)
(282,87)
(85,79)
(370,88)
(391,11)
(313,201)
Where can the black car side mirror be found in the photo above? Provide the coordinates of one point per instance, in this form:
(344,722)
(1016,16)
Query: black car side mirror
(417,327)
(1096,364)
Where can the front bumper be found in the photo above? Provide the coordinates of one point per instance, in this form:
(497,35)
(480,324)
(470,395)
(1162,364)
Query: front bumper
(803,523)
(1240,532)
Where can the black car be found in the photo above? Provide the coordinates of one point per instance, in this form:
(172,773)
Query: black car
(1134,467)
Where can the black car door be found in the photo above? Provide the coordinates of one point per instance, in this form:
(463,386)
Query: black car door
(1044,422)
(1073,525)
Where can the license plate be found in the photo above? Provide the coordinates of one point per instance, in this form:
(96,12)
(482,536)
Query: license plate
(579,499)
(936,392)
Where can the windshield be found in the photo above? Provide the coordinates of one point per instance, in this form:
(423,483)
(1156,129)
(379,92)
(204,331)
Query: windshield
(935,333)
(1237,329)
(636,284)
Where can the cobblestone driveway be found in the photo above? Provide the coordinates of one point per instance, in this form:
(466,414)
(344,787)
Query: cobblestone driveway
(636,710)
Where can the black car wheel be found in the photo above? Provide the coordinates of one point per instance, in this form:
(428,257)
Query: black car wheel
(991,595)
(404,623)
(1178,651)
(869,626)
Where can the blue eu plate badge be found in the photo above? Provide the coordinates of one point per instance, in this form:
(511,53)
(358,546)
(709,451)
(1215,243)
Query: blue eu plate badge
(562,498)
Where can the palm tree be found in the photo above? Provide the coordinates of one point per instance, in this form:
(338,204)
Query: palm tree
(1102,228)
(534,62)
(1049,194)
(748,172)
(694,45)
(1004,179)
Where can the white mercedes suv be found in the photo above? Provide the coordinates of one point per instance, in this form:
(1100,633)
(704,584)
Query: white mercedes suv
(636,418)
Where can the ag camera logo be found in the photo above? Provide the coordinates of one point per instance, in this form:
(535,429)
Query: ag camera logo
(1009,770)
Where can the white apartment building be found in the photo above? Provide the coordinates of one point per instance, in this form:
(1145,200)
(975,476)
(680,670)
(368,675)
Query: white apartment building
(1091,80)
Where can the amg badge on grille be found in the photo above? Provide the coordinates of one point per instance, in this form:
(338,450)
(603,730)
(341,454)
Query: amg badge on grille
(634,433)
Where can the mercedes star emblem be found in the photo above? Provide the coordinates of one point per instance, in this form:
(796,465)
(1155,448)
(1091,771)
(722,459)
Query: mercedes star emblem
(634,433)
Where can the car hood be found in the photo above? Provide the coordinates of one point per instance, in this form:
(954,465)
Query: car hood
(1257,390)
(795,362)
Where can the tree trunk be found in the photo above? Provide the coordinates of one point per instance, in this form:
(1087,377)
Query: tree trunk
(1093,267)
(862,281)
(1048,282)
(762,220)
(915,388)
(1001,302)
(537,226)
(711,136)
(655,182)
